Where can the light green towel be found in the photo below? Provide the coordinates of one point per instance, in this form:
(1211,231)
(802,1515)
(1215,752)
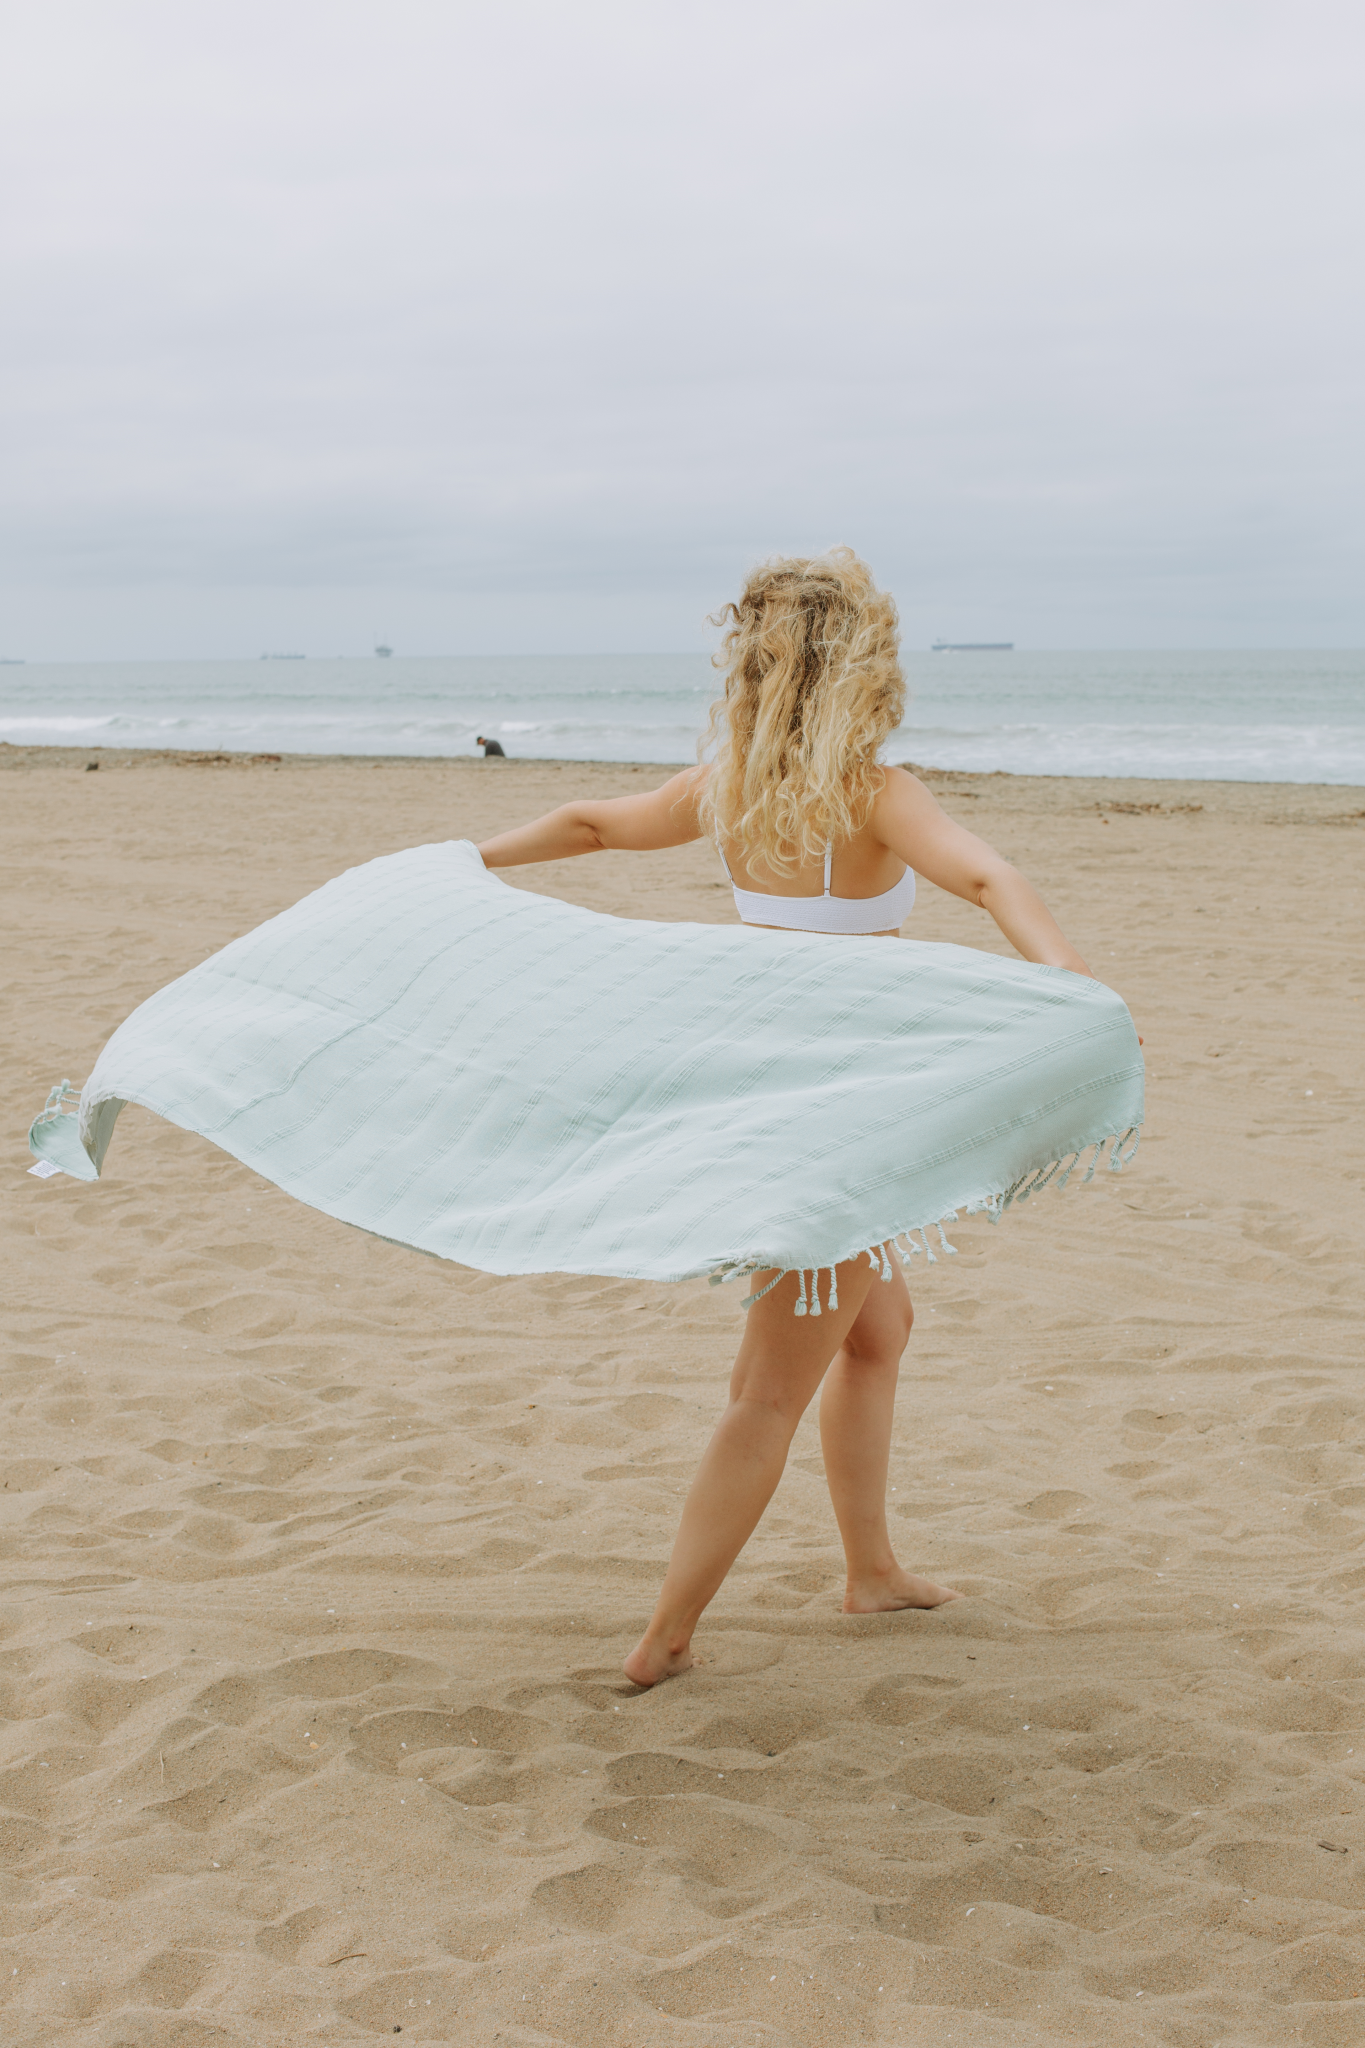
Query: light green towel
(528,1087)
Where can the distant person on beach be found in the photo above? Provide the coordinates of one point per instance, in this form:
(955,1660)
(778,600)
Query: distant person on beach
(492,749)
(791,792)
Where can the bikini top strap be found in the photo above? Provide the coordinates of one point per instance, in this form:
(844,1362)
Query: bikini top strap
(829,862)
(724,862)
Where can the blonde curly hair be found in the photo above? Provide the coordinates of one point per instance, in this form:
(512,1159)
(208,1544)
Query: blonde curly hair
(813,687)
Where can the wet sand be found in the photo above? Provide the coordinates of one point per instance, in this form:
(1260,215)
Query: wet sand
(320,1557)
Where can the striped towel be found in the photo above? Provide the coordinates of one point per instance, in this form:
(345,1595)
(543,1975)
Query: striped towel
(529,1087)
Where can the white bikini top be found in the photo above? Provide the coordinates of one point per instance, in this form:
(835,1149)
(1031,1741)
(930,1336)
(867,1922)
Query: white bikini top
(859,915)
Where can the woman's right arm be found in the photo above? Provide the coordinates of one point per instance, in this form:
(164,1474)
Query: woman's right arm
(633,824)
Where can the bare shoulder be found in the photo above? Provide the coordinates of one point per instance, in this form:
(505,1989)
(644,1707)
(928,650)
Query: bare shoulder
(682,792)
(689,781)
(679,793)
(656,818)
(902,796)
(908,819)
(899,778)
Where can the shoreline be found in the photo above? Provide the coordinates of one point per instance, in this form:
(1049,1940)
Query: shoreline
(1195,792)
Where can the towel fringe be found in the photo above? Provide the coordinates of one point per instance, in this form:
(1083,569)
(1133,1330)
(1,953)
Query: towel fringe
(1118,1158)
(57,1099)
(749,1300)
(1055,1174)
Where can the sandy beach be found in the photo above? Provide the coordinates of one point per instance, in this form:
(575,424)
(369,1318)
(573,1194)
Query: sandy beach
(310,1638)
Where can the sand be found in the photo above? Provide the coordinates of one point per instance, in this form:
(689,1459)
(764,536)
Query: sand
(321,1557)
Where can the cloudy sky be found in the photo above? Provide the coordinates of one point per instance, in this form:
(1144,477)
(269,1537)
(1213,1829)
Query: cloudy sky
(528,328)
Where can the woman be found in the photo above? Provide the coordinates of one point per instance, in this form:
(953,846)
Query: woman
(816,837)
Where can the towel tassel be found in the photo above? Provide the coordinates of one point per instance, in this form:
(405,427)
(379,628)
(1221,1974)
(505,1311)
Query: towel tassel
(750,1299)
(1118,1158)
(57,1099)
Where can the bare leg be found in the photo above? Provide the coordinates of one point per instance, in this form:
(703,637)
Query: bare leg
(856,1410)
(780,1364)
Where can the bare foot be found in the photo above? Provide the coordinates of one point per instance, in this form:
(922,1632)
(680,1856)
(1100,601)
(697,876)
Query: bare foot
(882,1592)
(650,1662)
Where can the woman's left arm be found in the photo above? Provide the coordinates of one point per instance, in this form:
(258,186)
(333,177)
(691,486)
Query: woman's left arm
(909,821)
(633,824)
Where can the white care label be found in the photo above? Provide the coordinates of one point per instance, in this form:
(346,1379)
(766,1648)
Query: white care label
(45,1169)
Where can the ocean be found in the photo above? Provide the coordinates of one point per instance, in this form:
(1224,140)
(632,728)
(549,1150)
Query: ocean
(1282,717)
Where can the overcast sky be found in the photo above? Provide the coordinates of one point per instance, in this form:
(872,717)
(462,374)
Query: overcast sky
(529,328)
